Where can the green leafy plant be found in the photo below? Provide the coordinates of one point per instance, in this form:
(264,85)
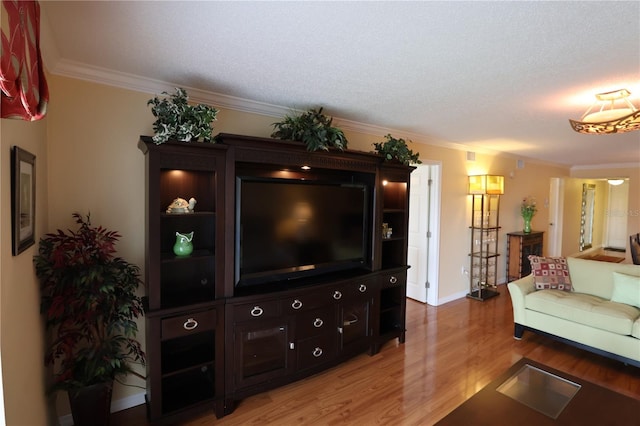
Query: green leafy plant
(313,128)
(396,149)
(176,119)
(89,302)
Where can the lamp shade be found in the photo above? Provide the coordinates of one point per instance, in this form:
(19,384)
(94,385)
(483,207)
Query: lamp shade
(486,184)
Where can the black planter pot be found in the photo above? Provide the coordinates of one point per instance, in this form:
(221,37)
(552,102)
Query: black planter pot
(91,405)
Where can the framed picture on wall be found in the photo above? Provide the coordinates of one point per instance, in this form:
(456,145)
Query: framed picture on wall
(23,199)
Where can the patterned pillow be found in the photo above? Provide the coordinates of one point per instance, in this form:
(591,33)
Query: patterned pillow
(550,273)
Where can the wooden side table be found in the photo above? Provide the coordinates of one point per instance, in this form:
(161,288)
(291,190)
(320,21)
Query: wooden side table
(519,246)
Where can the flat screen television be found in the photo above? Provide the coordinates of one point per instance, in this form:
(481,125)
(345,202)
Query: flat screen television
(288,229)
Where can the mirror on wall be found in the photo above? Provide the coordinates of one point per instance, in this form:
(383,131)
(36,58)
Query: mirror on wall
(586,216)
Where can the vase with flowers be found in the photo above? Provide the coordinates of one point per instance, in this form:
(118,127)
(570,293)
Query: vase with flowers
(528,208)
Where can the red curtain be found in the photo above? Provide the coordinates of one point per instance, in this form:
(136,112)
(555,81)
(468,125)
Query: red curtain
(24,89)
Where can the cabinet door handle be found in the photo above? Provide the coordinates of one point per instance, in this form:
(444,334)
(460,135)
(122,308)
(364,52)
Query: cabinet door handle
(296,304)
(353,320)
(190,324)
(317,352)
(318,323)
(393,279)
(337,295)
(256,311)
(362,288)
(292,345)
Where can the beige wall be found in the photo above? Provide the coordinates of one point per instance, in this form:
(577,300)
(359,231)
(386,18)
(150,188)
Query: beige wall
(94,166)
(21,330)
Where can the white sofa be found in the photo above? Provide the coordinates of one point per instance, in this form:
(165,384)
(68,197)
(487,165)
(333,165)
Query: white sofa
(586,316)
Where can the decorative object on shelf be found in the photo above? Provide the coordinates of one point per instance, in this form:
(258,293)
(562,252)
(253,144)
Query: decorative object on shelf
(176,119)
(396,149)
(485,225)
(313,128)
(616,114)
(184,244)
(90,304)
(180,206)
(528,209)
(386,231)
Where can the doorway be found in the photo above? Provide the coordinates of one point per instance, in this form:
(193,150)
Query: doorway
(556,211)
(424,233)
(616,217)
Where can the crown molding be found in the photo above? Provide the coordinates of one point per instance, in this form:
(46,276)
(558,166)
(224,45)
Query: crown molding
(607,166)
(81,71)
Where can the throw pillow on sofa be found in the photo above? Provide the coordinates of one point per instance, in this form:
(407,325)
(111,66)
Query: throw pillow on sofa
(550,273)
(626,289)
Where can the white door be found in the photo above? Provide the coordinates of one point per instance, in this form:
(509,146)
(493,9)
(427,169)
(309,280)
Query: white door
(424,220)
(556,207)
(616,217)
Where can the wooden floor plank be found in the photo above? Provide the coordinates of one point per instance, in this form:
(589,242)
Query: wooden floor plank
(451,352)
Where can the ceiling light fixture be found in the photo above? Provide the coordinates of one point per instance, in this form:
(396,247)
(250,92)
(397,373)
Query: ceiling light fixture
(616,114)
(615,182)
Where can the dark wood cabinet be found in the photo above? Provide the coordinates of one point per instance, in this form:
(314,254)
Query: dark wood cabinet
(184,303)
(211,341)
(279,338)
(520,246)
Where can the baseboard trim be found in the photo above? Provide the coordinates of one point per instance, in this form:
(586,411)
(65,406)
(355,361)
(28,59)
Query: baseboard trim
(116,405)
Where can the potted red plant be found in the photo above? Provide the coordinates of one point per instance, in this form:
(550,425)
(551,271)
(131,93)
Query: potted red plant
(89,302)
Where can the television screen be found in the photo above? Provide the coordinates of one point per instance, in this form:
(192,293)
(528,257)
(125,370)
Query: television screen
(288,229)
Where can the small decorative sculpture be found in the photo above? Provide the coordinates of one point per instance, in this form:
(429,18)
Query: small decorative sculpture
(183,245)
(180,205)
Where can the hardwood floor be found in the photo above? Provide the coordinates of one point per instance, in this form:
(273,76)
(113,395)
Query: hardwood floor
(451,352)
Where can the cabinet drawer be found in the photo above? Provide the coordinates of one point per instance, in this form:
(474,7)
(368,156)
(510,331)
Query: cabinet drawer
(316,350)
(393,279)
(307,301)
(316,322)
(190,323)
(256,310)
(358,288)
(313,300)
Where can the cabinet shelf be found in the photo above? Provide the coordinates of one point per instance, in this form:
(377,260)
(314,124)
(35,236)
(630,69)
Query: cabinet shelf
(169,257)
(188,369)
(484,255)
(393,238)
(185,216)
(188,352)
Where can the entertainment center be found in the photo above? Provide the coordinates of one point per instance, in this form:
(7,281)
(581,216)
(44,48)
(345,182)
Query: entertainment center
(290,274)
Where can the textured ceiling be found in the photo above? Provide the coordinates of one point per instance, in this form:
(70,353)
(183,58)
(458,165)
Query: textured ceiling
(501,76)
